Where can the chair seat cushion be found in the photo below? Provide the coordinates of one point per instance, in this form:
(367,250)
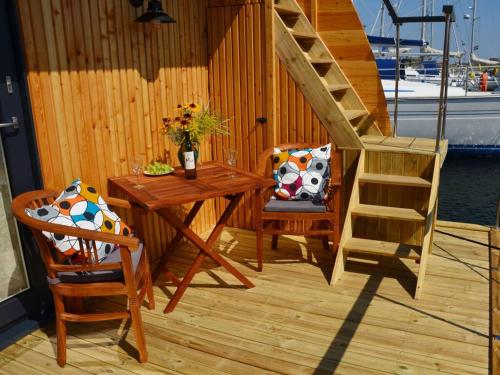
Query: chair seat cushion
(107,275)
(276,205)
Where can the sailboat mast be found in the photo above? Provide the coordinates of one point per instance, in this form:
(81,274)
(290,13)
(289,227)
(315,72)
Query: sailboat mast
(472,32)
(422,29)
(382,18)
(431,37)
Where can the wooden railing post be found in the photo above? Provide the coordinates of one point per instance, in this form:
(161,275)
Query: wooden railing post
(495,300)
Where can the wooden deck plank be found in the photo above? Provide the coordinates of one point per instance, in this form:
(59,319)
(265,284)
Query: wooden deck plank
(293,321)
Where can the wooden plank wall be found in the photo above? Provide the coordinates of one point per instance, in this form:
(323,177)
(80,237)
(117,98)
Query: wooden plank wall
(295,119)
(236,39)
(100,85)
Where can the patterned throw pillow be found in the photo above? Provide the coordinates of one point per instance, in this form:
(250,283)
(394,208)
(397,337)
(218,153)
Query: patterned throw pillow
(302,174)
(79,205)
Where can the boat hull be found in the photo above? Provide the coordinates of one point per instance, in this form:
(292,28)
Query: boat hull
(472,121)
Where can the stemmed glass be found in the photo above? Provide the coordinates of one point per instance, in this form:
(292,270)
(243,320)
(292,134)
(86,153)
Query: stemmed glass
(231,157)
(137,170)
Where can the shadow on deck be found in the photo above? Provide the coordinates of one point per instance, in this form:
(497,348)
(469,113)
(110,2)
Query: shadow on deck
(293,321)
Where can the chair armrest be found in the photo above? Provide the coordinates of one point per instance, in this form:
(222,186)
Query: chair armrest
(116,202)
(85,268)
(85,234)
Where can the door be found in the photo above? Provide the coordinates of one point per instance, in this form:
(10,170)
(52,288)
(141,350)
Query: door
(23,290)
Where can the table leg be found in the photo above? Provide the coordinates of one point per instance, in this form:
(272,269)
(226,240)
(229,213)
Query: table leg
(175,241)
(179,292)
(205,249)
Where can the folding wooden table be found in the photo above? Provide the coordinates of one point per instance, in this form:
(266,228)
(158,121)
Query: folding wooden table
(159,194)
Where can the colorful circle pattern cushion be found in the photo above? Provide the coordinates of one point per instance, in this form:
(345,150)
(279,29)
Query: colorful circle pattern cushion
(302,174)
(79,205)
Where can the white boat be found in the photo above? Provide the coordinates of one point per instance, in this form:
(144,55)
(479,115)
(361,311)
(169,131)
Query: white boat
(472,122)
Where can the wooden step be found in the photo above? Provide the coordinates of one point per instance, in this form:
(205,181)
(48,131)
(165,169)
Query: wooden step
(384,212)
(382,248)
(385,179)
(313,67)
(284,11)
(353,114)
(338,87)
(300,35)
(315,61)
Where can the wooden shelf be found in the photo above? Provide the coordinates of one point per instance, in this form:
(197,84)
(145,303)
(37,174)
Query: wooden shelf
(382,248)
(385,179)
(353,114)
(384,212)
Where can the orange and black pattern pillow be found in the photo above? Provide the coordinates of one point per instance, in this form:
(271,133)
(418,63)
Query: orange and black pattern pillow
(302,174)
(79,205)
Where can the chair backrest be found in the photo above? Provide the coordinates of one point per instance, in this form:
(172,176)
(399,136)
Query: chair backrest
(86,238)
(264,163)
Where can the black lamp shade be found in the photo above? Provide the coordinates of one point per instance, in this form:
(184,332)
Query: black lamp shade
(155,14)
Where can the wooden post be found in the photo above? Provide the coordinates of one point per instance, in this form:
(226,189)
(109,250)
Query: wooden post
(495,300)
(314,14)
(270,83)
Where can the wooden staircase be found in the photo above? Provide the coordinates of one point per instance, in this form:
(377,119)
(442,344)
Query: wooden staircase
(393,203)
(320,78)
(392,209)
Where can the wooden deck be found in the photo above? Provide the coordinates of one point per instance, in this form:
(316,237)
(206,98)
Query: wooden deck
(293,322)
(405,144)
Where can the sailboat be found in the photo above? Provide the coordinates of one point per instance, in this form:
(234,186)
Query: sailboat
(473,117)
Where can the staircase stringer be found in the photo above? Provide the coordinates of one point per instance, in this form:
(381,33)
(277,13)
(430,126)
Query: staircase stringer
(348,222)
(345,118)
(430,224)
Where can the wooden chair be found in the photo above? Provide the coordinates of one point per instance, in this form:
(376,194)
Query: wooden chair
(297,215)
(120,274)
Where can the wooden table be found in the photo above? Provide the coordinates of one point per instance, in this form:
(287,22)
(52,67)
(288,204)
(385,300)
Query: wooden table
(159,194)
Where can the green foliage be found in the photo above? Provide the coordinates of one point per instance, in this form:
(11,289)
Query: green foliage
(198,120)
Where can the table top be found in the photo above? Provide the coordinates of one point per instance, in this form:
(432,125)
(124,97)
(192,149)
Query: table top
(213,180)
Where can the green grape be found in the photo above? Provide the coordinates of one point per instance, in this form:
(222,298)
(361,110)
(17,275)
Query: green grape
(158,168)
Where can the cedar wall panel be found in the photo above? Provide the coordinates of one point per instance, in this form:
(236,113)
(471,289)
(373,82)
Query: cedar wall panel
(295,119)
(100,85)
(237,66)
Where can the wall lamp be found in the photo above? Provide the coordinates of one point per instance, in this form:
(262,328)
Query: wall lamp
(153,14)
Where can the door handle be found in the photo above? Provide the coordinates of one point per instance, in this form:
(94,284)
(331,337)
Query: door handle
(14,123)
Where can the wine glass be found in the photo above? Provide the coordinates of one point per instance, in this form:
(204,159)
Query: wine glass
(231,157)
(137,170)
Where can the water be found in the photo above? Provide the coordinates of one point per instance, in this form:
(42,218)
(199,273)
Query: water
(469,189)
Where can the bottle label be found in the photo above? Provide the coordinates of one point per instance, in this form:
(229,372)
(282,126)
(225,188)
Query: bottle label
(189,160)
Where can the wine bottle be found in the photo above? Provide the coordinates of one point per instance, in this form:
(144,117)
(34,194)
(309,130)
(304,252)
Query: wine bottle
(189,160)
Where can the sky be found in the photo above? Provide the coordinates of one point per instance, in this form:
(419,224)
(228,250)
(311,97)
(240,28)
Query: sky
(487,23)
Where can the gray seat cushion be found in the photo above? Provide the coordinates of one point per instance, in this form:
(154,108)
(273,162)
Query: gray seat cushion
(99,276)
(276,205)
